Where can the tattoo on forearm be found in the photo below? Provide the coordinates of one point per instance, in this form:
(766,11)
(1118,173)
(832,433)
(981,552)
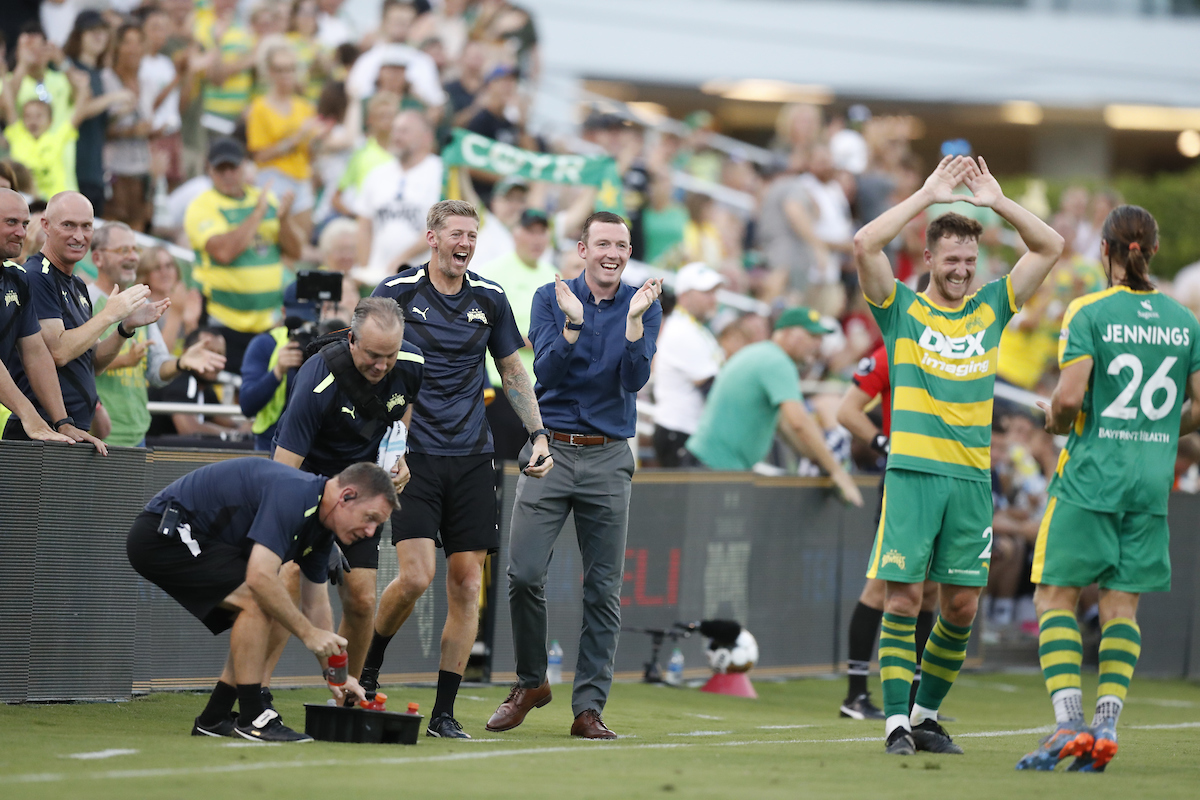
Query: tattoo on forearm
(519,392)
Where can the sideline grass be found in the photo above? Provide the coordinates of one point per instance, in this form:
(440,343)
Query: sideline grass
(680,743)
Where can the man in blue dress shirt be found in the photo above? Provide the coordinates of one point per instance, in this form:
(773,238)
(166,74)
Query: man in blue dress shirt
(594,339)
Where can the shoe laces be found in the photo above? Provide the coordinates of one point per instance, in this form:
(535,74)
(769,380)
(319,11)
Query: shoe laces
(513,693)
(447,719)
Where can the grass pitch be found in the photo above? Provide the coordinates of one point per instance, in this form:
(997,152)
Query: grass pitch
(675,742)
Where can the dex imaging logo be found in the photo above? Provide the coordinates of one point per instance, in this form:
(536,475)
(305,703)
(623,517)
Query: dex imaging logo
(1148,311)
(957,348)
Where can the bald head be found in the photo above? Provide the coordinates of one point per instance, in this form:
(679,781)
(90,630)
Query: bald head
(14,223)
(68,225)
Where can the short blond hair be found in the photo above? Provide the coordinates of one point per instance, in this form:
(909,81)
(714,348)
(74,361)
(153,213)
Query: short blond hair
(435,220)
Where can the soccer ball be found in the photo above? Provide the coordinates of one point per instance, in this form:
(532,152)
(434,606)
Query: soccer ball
(738,658)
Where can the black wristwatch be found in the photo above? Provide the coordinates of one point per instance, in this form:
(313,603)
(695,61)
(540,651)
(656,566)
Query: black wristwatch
(121,330)
(540,432)
(61,422)
(571,326)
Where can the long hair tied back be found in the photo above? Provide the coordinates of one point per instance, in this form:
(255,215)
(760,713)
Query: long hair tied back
(1132,236)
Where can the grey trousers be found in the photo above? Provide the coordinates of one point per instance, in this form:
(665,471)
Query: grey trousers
(594,483)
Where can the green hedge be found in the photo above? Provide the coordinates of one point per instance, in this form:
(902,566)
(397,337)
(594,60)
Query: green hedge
(1172,197)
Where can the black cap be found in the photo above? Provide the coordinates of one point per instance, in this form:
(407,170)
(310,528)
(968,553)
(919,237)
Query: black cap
(598,120)
(226,151)
(533,216)
(89,19)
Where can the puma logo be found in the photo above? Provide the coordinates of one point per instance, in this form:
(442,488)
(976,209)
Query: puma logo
(416,310)
(349,411)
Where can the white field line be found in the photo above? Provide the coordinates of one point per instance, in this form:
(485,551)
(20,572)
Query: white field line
(705,716)
(98,754)
(220,769)
(784,727)
(702,733)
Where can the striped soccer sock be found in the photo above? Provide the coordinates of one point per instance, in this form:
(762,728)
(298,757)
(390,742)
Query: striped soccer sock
(1060,649)
(897,661)
(943,658)
(1120,646)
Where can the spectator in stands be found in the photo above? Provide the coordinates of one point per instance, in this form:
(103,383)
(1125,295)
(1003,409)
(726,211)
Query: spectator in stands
(497,219)
(394,200)
(315,61)
(381,111)
(786,235)
(396,21)
(74,335)
(143,360)
(832,224)
(272,359)
(127,151)
(166,88)
(197,389)
(227,66)
(240,234)
(32,78)
(158,270)
(758,392)
(663,222)
(463,93)
(20,338)
(499,90)
(338,247)
(280,128)
(688,360)
(332,148)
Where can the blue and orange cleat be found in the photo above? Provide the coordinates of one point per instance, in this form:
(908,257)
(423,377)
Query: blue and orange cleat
(1102,751)
(1067,739)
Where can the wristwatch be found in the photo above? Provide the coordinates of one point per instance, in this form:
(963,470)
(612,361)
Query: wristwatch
(61,422)
(571,326)
(121,330)
(540,432)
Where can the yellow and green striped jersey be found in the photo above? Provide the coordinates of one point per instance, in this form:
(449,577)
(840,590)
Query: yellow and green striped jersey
(230,98)
(943,372)
(245,294)
(1120,454)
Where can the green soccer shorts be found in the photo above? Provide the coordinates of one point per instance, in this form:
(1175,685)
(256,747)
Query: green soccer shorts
(1128,551)
(935,526)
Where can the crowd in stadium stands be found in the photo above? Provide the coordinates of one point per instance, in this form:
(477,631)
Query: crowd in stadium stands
(272,137)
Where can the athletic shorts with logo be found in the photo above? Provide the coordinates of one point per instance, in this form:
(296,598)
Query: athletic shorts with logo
(1124,550)
(935,526)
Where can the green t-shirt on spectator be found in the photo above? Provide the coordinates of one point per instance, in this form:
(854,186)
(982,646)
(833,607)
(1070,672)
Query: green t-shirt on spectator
(123,391)
(362,161)
(662,230)
(519,282)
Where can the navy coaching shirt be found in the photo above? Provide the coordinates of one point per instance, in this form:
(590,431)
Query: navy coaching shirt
(591,386)
(17,318)
(454,332)
(248,501)
(321,423)
(57,295)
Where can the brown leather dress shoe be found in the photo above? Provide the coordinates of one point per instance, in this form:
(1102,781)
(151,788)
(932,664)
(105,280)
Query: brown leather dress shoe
(520,702)
(589,725)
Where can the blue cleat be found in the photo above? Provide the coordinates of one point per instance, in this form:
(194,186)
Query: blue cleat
(1067,739)
(1102,751)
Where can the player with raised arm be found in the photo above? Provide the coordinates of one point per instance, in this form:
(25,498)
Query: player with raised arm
(937,505)
(1128,355)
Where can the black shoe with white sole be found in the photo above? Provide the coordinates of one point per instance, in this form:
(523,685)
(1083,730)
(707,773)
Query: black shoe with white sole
(932,738)
(900,743)
(222,728)
(444,726)
(269,728)
(860,707)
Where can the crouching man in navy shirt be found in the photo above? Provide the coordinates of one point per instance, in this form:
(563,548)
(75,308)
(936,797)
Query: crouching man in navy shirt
(215,539)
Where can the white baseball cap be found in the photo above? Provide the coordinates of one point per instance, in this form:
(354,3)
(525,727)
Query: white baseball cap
(696,276)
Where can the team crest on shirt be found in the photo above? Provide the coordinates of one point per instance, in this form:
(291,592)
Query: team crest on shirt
(10,297)
(893,557)
(397,400)
(477,315)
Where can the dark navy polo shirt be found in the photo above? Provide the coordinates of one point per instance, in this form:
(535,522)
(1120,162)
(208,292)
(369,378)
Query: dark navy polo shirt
(321,423)
(248,501)
(17,318)
(455,333)
(57,295)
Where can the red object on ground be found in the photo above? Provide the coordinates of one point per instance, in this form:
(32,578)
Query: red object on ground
(375,704)
(734,684)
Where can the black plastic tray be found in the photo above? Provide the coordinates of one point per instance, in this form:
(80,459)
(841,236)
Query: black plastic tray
(340,724)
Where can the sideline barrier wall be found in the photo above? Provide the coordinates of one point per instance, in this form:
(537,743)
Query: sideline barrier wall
(782,555)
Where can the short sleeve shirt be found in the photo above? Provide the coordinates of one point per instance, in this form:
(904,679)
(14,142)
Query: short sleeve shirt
(17,317)
(871,376)
(322,424)
(249,501)
(943,373)
(1120,454)
(455,333)
(738,424)
(48,156)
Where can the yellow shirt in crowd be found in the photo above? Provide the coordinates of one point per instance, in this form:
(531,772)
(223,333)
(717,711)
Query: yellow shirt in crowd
(265,126)
(46,156)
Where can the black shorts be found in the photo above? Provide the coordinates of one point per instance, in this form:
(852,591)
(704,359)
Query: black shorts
(200,582)
(363,554)
(452,500)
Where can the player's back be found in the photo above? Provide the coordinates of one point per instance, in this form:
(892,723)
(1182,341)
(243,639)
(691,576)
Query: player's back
(1120,455)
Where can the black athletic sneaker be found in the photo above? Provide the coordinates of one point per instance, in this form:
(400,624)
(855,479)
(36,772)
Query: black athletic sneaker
(268,699)
(860,707)
(222,728)
(444,726)
(932,738)
(369,680)
(900,743)
(269,728)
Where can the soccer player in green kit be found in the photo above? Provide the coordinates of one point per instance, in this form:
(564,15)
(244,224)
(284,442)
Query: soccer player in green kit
(937,501)
(1128,356)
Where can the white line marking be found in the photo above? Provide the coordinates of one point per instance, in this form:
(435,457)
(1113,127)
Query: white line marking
(1156,701)
(783,727)
(705,716)
(999,687)
(100,754)
(472,697)
(1172,727)
(701,733)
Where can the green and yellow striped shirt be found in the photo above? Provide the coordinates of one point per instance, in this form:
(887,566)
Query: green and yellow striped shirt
(943,375)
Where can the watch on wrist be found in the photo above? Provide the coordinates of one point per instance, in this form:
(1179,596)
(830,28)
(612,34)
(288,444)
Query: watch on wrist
(540,432)
(571,326)
(121,330)
(61,422)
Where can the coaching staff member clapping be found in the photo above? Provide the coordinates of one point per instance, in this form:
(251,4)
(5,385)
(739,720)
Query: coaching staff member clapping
(594,338)
(215,539)
(343,401)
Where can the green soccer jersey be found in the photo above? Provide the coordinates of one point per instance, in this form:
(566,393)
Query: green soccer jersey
(943,375)
(1120,455)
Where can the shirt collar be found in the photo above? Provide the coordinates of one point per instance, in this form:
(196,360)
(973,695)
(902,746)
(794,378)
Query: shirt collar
(581,289)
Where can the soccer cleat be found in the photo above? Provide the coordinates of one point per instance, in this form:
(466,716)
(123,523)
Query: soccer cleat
(1067,739)
(444,726)
(860,707)
(932,738)
(268,728)
(222,728)
(369,680)
(900,743)
(268,699)
(1102,751)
